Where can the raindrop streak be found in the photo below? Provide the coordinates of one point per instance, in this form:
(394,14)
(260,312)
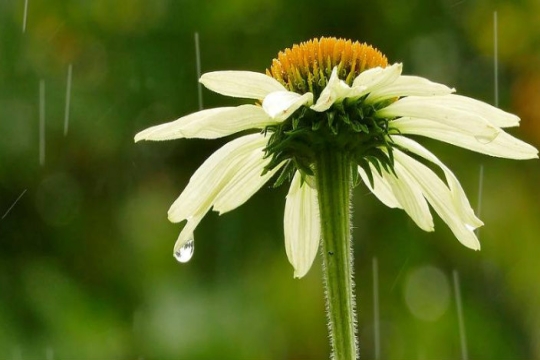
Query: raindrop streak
(16,201)
(17,353)
(198,63)
(24,16)
(376,323)
(49,353)
(68,98)
(480,191)
(462,335)
(398,277)
(496,96)
(42,122)
(495,59)
(185,253)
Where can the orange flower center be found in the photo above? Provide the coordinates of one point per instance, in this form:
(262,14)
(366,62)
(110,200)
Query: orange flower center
(308,66)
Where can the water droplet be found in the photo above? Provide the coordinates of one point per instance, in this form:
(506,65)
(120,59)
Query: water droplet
(487,138)
(185,253)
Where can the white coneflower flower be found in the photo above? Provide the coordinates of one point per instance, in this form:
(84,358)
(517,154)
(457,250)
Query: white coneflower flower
(333,93)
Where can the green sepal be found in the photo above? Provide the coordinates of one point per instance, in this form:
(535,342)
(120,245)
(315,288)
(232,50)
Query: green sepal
(350,127)
(316,125)
(295,122)
(359,127)
(285,174)
(345,118)
(330,116)
(360,112)
(367,169)
(303,167)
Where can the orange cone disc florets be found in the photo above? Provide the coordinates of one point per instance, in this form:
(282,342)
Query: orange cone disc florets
(308,66)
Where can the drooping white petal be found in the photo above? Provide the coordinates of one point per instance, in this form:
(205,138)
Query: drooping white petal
(376,78)
(226,180)
(492,114)
(174,129)
(402,192)
(408,86)
(279,105)
(504,145)
(440,198)
(335,91)
(246,182)
(422,108)
(458,194)
(187,232)
(242,84)
(302,226)
(381,188)
(410,196)
(213,176)
(229,122)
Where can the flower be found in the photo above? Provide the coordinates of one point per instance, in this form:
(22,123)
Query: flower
(340,94)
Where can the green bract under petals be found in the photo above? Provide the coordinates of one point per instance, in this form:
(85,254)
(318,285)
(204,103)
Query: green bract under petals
(345,124)
(336,95)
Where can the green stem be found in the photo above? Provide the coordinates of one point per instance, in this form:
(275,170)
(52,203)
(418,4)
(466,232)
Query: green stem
(333,176)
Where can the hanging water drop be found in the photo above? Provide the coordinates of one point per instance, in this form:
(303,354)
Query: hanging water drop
(185,253)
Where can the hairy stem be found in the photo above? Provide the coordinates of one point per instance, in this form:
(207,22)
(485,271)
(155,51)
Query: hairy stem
(333,176)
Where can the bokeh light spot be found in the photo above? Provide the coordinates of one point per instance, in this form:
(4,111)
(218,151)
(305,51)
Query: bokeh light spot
(427,293)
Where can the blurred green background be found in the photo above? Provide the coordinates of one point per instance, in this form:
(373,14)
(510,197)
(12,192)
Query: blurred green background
(86,265)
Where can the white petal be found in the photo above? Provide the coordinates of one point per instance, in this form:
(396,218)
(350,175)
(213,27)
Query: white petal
(242,84)
(492,114)
(229,122)
(402,192)
(458,194)
(279,105)
(213,175)
(246,182)
(382,189)
(174,129)
(410,196)
(302,226)
(424,108)
(336,90)
(376,78)
(440,198)
(504,145)
(408,86)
